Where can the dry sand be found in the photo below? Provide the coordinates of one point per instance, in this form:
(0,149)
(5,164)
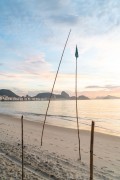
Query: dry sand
(58,157)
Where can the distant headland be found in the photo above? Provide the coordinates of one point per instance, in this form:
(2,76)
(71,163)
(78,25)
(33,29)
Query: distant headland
(8,95)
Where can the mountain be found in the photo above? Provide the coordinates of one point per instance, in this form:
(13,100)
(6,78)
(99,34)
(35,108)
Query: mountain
(73,97)
(63,95)
(99,97)
(43,95)
(107,97)
(46,95)
(111,97)
(6,92)
(82,97)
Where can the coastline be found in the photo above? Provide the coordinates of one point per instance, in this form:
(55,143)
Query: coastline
(61,144)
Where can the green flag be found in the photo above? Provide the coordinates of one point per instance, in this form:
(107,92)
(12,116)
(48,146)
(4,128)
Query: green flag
(76,53)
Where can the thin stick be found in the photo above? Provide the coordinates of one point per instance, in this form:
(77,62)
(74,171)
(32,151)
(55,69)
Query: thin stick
(77,111)
(53,88)
(91,150)
(22,147)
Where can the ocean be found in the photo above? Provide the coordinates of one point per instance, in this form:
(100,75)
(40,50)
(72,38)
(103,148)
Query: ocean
(105,113)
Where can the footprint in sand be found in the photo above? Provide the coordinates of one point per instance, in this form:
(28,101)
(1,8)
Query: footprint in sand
(106,157)
(86,152)
(110,171)
(100,158)
(118,159)
(104,167)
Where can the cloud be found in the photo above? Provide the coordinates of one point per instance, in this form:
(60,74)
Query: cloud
(93,17)
(39,59)
(98,17)
(43,20)
(65,19)
(31,27)
(8,75)
(103,87)
(30,16)
(93,87)
(36,65)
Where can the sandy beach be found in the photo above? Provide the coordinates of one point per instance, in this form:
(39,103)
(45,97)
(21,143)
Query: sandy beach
(58,157)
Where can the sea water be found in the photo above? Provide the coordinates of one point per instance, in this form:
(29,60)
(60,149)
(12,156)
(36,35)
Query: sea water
(105,113)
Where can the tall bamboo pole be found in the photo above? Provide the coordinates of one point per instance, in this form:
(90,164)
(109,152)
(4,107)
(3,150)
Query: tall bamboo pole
(91,150)
(76,54)
(22,143)
(53,88)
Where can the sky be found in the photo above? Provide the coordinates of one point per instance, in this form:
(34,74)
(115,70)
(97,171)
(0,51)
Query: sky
(32,37)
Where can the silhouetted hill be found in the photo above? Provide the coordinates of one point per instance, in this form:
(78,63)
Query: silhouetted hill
(63,95)
(6,92)
(99,97)
(82,97)
(43,95)
(111,97)
(46,95)
(73,97)
(107,97)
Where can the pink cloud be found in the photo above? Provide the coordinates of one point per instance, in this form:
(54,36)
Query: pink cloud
(9,75)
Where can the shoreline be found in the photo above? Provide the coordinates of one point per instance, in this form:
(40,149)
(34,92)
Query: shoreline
(10,116)
(60,145)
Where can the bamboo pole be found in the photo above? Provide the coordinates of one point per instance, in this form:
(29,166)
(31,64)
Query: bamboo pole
(53,88)
(91,150)
(22,147)
(78,131)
